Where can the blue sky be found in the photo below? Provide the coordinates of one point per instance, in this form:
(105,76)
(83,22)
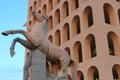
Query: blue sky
(13,14)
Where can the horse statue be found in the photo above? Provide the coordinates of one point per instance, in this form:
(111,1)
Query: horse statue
(37,39)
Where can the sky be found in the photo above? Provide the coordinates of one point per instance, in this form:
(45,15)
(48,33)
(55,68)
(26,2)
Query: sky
(13,14)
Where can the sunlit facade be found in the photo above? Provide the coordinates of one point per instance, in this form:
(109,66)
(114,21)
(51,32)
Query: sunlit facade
(89,30)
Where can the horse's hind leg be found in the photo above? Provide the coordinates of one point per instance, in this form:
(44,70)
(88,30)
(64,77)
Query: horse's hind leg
(64,70)
(64,65)
(25,43)
(26,67)
(55,67)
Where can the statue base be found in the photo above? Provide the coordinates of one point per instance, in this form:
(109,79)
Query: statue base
(38,65)
(58,78)
(61,78)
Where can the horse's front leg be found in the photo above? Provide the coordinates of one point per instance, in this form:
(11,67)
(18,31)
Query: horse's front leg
(25,43)
(27,35)
(6,33)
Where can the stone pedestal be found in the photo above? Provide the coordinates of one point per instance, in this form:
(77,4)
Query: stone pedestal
(61,78)
(38,65)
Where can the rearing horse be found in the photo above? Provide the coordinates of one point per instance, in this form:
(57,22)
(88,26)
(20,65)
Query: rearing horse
(37,39)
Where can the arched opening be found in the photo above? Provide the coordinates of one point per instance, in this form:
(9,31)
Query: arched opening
(109,14)
(116,72)
(74,4)
(57,17)
(33,21)
(65,33)
(50,5)
(65,10)
(69,77)
(113,43)
(30,12)
(44,9)
(67,49)
(111,46)
(77,52)
(57,38)
(90,45)
(119,15)
(118,0)
(50,38)
(93,47)
(50,23)
(34,9)
(30,23)
(80,75)
(56,2)
(35,5)
(39,11)
(39,3)
(76,26)
(27,55)
(93,73)
(88,17)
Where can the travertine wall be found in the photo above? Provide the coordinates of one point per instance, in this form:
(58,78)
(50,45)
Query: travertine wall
(89,30)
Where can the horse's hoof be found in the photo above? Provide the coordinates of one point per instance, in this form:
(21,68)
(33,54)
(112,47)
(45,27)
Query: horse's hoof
(4,33)
(12,53)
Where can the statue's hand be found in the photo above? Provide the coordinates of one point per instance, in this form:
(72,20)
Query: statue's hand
(12,53)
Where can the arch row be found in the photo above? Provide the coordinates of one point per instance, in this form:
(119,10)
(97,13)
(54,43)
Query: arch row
(68,31)
(90,45)
(93,73)
(61,14)
(87,15)
(49,6)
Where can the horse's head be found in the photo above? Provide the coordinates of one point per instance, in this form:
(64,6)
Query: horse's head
(39,17)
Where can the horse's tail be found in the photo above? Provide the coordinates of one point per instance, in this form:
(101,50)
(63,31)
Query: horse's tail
(73,69)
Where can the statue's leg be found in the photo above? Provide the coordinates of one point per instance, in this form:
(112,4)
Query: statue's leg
(25,43)
(64,65)
(27,35)
(55,70)
(6,33)
(64,70)
(56,66)
(26,67)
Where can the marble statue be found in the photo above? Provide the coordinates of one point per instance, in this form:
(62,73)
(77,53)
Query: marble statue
(37,39)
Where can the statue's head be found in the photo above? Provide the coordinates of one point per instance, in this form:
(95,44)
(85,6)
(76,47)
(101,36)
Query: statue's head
(39,17)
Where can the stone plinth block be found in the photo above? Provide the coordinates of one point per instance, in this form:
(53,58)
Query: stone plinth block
(61,78)
(38,65)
